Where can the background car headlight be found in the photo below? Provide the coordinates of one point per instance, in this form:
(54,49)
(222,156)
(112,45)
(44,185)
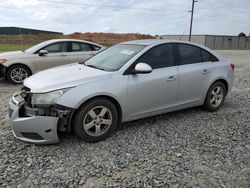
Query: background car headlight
(2,61)
(47,98)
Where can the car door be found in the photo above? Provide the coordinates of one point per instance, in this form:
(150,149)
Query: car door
(193,73)
(57,55)
(155,91)
(81,51)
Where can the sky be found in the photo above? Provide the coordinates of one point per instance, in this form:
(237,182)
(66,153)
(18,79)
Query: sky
(155,17)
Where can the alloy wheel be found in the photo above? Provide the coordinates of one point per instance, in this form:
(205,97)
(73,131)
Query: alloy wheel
(217,96)
(97,121)
(18,75)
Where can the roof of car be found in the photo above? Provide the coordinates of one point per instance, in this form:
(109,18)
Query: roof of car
(148,42)
(75,40)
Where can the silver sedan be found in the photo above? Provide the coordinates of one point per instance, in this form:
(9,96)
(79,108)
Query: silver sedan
(18,65)
(128,81)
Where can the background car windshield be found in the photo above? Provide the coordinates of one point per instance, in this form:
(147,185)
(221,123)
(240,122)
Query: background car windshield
(114,57)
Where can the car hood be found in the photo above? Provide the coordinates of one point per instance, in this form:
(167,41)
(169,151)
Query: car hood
(11,54)
(63,77)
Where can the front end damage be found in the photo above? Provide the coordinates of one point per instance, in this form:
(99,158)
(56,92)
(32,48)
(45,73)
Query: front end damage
(37,123)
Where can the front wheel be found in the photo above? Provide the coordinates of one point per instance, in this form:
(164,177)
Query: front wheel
(17,73)
(215,97)
(95,120)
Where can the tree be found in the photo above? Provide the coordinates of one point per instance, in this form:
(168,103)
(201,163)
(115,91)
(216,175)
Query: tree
(242,34)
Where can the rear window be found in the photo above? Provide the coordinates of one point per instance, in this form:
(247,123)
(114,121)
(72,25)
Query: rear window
(206,56)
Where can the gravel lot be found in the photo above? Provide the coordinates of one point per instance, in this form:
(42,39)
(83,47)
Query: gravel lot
(188,148)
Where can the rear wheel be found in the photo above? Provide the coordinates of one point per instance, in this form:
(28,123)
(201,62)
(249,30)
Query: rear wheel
(95,120)
(215,97)
(17,73)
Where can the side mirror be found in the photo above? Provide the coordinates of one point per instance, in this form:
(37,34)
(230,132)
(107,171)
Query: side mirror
(143,68)
(43,52)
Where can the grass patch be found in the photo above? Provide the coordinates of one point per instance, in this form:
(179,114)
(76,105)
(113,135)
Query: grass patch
(13,47)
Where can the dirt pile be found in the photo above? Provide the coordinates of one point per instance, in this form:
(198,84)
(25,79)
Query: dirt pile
(101,38)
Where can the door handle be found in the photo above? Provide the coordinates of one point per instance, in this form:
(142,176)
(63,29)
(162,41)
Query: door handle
(63,55)
(171,78)
(205,71)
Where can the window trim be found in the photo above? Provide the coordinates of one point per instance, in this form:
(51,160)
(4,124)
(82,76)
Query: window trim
(178,57)
(211,56)
(67,47)
(89,44)
(130,69)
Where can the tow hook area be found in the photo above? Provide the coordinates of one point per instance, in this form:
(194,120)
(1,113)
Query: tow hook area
(63,113)
(64,119)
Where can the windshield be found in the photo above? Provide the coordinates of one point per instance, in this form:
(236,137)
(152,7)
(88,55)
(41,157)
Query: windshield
(113,58)
(33,49)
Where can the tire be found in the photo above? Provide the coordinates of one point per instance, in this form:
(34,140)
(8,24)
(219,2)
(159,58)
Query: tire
(215,97)
(17,73)
(88,123)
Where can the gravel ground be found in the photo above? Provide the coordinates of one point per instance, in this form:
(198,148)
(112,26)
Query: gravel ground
(188,148)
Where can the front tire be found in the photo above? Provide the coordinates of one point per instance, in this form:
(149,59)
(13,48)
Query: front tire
(17,73)
(95,120)
(215,97)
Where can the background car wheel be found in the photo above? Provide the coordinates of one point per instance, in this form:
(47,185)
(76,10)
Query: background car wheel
(95,120)
(215,97)
(17,73)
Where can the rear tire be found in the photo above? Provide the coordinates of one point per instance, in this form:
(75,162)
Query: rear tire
(17,73)
(215,97)
(95,120)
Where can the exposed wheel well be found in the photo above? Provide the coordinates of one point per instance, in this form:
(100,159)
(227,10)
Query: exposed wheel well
(7,68)
(224,82)
(111,99)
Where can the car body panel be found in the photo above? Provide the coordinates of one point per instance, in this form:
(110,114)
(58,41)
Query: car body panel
(147,85)
(75,56)
(64,76)
(51,60)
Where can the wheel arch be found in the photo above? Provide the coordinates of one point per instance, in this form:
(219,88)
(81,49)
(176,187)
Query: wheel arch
(107,97)
(223,81)
(14,64)
(214,81)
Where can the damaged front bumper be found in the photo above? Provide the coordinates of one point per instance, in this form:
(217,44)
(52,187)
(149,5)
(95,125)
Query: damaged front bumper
(32,125)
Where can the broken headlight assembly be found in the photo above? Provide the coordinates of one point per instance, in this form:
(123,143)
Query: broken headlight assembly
(47,98)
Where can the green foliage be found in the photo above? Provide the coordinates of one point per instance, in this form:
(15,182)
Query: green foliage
(13,47)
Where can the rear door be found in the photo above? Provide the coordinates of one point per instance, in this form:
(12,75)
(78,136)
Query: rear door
(57,55)
(80,51)
(194,70)
(155,91)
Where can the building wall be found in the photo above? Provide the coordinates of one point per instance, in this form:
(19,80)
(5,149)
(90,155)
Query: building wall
(215,41)
(195,38)
(227,42)
(23,31)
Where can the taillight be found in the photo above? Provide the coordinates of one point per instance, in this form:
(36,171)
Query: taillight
(232,66)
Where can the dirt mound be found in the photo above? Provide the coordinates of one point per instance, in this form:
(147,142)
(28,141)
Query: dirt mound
(109,38)
(101,38)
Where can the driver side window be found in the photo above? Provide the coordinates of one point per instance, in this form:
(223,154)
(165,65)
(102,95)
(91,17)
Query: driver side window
(56,47)
(158,57)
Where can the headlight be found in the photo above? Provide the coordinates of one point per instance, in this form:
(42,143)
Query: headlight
(2,61)
(47,98)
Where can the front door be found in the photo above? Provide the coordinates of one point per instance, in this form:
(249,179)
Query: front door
(155,91)
(57,55)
